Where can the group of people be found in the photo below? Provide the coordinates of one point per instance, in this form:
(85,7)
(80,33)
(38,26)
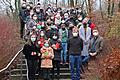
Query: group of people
(56,36)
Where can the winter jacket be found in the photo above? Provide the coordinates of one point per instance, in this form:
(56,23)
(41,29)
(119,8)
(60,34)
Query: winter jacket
(70,33)
(82,33)
(92,26)
(30,24)
(22,15)
(86,39)
(47,55)
(63,35)
(28,50)
(96,45)
(57,51)
(75,46)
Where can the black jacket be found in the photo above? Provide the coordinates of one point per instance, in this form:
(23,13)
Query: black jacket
(75,46)
(58,51)
(28,49)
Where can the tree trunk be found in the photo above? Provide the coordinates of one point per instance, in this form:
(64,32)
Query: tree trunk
(56,3)
(16,8)
(101,8)
(119,7)
(82,5)
(63,1)
(71,3)
(68,3)
(112,10)
(109,6)
(19,2)
(89,8)
(76,2)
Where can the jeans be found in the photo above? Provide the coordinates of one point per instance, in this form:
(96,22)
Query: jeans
(64,52)
(85,59)
(46,73)
(75,61)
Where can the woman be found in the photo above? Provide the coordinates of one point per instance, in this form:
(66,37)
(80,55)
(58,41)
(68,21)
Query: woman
(31,54)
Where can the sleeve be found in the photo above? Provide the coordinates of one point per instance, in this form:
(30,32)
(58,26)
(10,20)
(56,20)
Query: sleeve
(89,47)
(60,46)
(68,42)
(25,49)
(89,35)
(81,44)
(60,34)
(80,34)
(42,53)
(52,54)
(101,44)
(20,15)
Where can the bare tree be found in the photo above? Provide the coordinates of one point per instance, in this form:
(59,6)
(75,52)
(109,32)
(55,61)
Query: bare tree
(8,4)
(76,2)
(119,6)
(112,10)
(109,6)
(89,7)
(101,8)
(71,3)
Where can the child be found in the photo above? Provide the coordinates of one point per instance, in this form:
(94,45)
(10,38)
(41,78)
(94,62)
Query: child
(46,59)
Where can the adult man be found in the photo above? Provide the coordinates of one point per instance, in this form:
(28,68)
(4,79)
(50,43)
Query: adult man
(96,44)
(75,46)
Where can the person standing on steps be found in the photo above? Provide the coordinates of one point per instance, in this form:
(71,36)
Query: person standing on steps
(22,15)
(63,37)
(31,24)
(57,47)
(85,35)
(75,46)
(31,53)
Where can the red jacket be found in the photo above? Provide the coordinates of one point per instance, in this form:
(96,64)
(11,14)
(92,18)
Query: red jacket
(92,26)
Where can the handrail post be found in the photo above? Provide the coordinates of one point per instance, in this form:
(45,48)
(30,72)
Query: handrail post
(21,68)
(10,73)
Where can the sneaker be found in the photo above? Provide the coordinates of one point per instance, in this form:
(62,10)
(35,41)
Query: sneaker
(66,63)
(61,62)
